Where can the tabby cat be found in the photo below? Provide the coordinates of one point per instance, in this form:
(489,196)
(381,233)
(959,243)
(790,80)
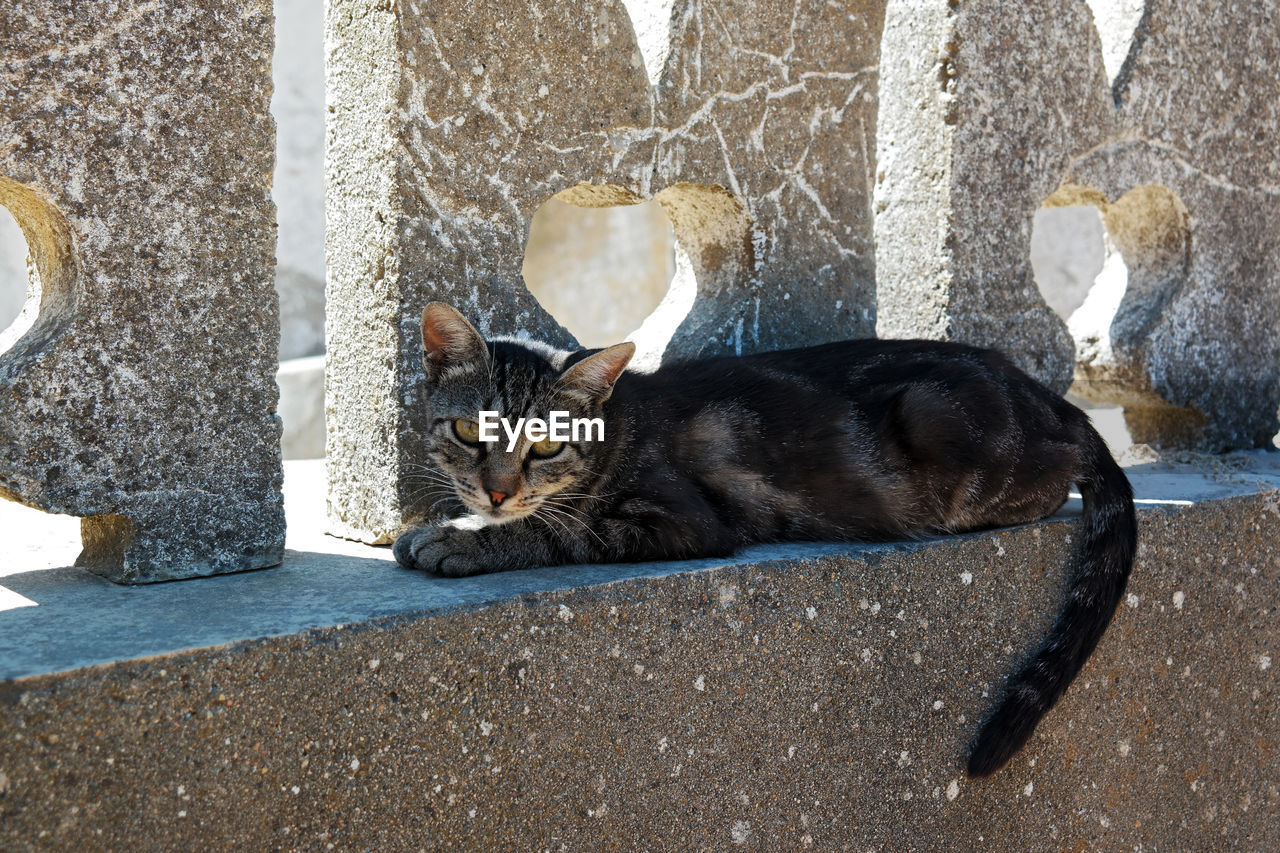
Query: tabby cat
(858,440)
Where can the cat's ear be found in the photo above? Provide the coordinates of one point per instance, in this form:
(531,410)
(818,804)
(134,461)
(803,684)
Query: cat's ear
(593,377)
(448,340)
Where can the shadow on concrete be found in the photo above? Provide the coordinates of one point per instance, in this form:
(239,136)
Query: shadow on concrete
(64,618)
(76,619)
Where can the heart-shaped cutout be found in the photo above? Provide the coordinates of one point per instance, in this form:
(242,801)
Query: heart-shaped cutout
(37,248)
(1145,261)
(14,278)
(1068,249)
(600,271)
(703,243)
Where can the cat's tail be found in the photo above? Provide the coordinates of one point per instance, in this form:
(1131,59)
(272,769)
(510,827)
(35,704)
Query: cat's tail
(1100,568)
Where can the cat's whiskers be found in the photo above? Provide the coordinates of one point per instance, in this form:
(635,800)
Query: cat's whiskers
(563,500)
(423,472)
(583,496)
(425,482)
(431,510)
(547,519)
(567,513)
(428,484)
(439,501)
(563,518)
(418,490)
(433,492)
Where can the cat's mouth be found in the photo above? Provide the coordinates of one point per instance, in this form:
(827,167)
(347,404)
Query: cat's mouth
(510,510)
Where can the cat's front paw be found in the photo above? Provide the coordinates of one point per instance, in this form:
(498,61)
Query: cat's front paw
(447,549)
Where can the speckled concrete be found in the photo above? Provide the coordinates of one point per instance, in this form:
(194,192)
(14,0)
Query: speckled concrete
(136,153)
(822,701)
(1163,114)
(450,124)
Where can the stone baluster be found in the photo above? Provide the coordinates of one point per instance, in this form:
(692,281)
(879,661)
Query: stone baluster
(137,391)
(450,123)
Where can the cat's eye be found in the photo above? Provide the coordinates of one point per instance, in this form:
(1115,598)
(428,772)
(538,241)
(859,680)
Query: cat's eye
(467,430)
(546,448)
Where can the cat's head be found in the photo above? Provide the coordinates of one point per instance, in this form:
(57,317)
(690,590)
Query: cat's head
(514,379)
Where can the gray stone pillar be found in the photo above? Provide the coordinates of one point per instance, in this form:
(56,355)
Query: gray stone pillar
(991,109)
(136,153)
(450,123)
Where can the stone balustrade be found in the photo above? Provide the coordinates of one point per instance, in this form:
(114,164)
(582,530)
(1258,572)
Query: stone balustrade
(829,172)
(990,110)
(796,697)
(754,129)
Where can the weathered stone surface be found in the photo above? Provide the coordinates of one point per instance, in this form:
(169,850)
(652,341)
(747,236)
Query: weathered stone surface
(974,130)
(990,110)
(769,703)
(136,153)
(751,123)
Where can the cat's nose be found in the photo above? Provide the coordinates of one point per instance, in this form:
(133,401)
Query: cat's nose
(496,497)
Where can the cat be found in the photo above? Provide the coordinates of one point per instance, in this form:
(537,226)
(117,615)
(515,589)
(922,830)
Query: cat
(857,440)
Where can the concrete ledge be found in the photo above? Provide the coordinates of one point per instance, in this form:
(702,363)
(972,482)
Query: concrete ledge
(823,695)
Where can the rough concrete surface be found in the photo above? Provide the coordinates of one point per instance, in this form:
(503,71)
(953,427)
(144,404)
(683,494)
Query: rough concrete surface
(297,104)
(990,110)
(54,617)
(819,703)
(136,153)
(451,124)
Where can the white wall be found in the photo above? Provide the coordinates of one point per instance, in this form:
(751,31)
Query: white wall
(298,107)
(13,268)
(1067,251)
